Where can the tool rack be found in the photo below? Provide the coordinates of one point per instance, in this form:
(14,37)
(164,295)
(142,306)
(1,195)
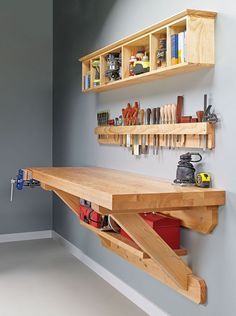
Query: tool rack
(187,135)
(123,195)
(199,27)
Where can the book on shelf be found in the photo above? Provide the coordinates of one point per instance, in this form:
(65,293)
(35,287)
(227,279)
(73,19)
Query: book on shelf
(178,48)
(87,81)
(174,49)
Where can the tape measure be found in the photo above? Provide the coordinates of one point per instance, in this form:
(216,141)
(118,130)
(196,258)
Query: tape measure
(203,180)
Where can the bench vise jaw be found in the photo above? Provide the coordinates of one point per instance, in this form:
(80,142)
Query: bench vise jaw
(22,180)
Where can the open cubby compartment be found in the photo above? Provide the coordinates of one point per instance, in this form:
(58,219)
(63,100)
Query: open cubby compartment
(86,75)
(95,66)
(158,49)
(111,64)
(141,44)
(177,43)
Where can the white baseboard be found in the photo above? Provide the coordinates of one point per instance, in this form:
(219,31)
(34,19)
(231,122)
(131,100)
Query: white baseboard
(26,236)
(138,299)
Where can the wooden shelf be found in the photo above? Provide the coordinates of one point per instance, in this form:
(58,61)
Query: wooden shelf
(199,27)
(192,134)
(123,195)
(124,243)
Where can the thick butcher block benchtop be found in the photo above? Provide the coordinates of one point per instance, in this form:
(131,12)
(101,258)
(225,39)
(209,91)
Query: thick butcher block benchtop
(121,190)
(123,195)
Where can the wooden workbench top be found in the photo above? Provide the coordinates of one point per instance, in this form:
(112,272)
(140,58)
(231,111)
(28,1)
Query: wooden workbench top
(119,190)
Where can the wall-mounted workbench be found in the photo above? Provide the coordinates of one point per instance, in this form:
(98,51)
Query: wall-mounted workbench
(123,195)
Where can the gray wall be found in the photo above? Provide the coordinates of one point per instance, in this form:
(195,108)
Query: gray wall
(25,109)
(82,26)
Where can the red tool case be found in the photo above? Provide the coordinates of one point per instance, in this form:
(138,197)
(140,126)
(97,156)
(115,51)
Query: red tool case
(89,216)
(167,228)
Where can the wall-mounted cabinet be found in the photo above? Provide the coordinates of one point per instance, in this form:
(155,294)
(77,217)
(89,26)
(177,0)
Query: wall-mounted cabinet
(179,44)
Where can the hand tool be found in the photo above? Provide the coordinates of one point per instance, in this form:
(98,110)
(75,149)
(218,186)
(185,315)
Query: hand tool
(157,122)
(136,147)
(20,181)
(199,115)
(179,110)
(128,116)
(134,113)
(186,119)
(162,120)
(169,121)
(173,121)
(204,120)
(203,180)
(102,118)
(208,116)
(148,122)
(134,118)
(153,137)
(135,138)
(166,122)
(143,138)
(121,137)
(199,119)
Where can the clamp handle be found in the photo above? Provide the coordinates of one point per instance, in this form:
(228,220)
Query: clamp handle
(20,179)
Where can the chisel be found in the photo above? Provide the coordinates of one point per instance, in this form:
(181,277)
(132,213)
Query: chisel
(199,119)
(169,121)
(162,121)
(179,110)
(173,121)
(143,137)
(157,122)
(148,116)
(153,137)
(166,122)
(128,117)
(205,136)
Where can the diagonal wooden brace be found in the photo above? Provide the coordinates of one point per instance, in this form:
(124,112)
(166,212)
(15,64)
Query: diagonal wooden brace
(73,202)
(147,239)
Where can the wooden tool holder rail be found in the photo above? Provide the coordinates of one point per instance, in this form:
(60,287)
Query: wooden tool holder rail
(199,27)
(113,193)
(186,135)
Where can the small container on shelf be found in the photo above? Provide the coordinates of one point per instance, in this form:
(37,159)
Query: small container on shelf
(113,66)
(158,42)
(136,57)
(95,69)
(161,52)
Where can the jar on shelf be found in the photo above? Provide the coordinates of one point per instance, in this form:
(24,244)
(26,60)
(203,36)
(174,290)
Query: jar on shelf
(161,53)
(132,62)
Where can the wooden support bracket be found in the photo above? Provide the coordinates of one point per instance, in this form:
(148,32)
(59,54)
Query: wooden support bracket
(202,219)
(146,238)
(196,290)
